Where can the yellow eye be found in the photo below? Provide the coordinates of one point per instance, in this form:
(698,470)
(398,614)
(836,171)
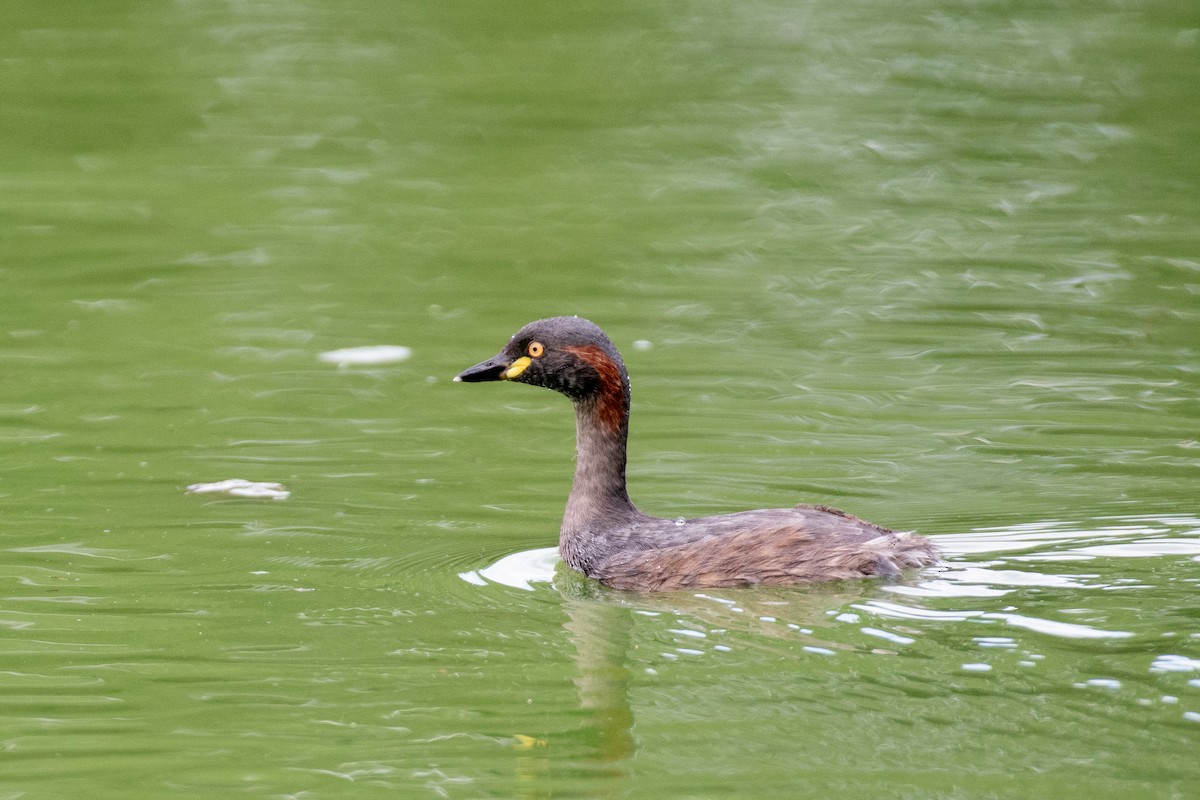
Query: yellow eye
(536,349)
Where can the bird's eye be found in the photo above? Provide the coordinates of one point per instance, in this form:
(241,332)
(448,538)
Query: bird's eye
(536,349)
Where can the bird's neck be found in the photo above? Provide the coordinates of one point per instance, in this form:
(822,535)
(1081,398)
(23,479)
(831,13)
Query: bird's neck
(599,498)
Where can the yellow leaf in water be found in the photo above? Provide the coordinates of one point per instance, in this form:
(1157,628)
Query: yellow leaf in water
(528,742)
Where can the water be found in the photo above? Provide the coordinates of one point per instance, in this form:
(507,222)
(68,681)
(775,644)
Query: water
(936,264)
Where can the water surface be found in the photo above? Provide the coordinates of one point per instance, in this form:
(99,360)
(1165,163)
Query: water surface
(937,264)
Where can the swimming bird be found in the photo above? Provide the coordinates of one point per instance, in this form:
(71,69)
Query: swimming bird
(606,537)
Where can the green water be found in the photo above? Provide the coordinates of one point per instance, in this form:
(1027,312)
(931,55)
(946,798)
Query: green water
(936,263)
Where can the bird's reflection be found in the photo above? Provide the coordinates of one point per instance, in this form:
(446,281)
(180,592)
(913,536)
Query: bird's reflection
(601,626)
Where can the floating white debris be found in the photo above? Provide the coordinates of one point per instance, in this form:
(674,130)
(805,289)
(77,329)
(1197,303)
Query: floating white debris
(237,487)
(976,667)
(369,355)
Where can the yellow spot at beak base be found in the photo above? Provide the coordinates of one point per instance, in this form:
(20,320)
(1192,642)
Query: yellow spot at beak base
(516,368)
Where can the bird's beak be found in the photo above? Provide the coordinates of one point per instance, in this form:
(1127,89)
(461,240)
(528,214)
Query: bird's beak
(498,368)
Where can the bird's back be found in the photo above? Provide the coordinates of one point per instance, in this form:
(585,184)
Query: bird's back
(768,546)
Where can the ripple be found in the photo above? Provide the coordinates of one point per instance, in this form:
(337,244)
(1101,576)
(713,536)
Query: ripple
(894,638)
(891,610)
(1051,542)
(1175,663)
(80,549)
(976,667)
(1144,549)
(518,570)
(1066,630)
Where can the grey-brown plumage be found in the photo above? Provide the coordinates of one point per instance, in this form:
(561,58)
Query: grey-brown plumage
(606,537)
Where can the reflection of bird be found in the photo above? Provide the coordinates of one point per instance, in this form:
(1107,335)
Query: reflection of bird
(607,538)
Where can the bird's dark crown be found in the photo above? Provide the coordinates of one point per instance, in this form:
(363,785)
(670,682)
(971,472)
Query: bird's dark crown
(560,332)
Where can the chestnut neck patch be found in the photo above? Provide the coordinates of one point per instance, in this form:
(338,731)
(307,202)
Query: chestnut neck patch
(612,398)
